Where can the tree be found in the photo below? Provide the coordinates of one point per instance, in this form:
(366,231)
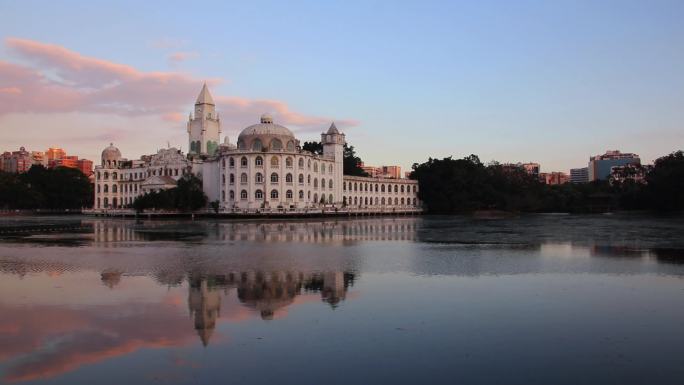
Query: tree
(665,189)
(314,147)
(186,196)
(40,188)
(351,162)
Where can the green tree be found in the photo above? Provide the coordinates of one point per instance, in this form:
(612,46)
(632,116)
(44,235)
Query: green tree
(665,189)
(313,147)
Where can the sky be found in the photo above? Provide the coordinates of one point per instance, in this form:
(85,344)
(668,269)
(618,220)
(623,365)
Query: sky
(552,82)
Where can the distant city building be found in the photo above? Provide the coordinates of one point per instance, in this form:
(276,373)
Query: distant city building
(600,165)
(54,153)
(72,161)
(634,172)
(554,178)
(16,161)
(579,175)
(530,168)
(392,172)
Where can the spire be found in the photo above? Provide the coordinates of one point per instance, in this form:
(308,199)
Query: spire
(333,129)
(204,96)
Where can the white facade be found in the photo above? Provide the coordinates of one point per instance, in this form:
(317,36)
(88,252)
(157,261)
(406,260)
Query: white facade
(119,181)
(267,170)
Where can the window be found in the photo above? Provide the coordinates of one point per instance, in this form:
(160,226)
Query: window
(257,145)
(243,161)
(301,178)
(323,183)
(259,178)
(330,198)
(288,194)
(114,188)
(276,145)
(231,162)
(330,184)
(258,194)
(232,195)
(402,188)
(259,161)
(315,166)
(376,187)
(274,161)
(223,163)
(383,201)
(114,176)
(274,177)
(315,182)
(223,196)
(243,178)
(288,162)
(232,179)
(301,194)
(288,178)
(376,201)
(290,146)
(223,178)
(274,194)
(308,164)
(98,188)
(330,169)
(396,201)
(344,186)
(382,189)
(308,179)
(243,195)
(301,162)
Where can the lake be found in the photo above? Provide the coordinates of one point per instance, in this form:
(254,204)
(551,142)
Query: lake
(536,299)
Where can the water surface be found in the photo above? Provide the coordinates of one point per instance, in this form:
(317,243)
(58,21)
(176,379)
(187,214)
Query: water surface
(543,299)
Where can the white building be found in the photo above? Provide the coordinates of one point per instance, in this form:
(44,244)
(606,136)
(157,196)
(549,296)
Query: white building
(267,170)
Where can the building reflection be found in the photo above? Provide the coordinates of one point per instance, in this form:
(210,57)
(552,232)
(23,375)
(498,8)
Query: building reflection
(265,293)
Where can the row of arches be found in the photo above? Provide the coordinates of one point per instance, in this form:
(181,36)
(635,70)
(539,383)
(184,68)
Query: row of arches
(275,178)
(379,187)
(125,188)
(274,195)
(139,175)
(378,201)
(274,145)
(275,162)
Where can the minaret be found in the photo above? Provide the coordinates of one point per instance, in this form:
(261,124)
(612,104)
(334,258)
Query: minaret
(333,148)
(204,128)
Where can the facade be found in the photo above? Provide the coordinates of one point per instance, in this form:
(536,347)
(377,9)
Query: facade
(119,181)
(265,170)
(579,175)
(554,178)
(600,165)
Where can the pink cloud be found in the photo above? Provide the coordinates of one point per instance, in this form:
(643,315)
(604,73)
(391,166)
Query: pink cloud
(57,79)
(178,57)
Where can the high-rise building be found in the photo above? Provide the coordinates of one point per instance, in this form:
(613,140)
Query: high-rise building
(54,153)
(16,161)
(579,175)
(554,178)
(601,165)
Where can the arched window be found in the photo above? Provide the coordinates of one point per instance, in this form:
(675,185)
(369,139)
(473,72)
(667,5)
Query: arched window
(114,176)
(308,164)
(288,178)
(259,178)
(323,183)
(402,188)
(114,188)
(376,201)
(258,194)
(243,161)
(276,145)
(396,188)
(106,175)
(274,177)
(106,202)
(274,194)
(382,189)
(315,182)
(231,162)
(396,201)
(356,200)
(257,145)
(223,178)
(414,201)
(243,178)
(308,195)
(259,161)
(308,179)
(114,203)
(288,194)
(274,161)
(344,186)
(330,184)
(356,186)
(301,178)
(98,188)
(376,187)
(301,162)
(330,169)
(315,166)
(301,194)
(232,195)
(288,162)
(382,201)
(315,198)
(402,201)
(365,201)
(414,190)
(330,198)
(223,163)
(290,146)
(243,195)
(323,198)
(232,179)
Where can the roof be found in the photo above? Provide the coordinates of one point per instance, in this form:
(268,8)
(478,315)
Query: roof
(204,97)
(333,129)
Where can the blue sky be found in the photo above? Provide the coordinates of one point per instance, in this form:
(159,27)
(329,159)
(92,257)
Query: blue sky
(546,81)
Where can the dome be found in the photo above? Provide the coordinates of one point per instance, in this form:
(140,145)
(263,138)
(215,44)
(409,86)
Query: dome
(110,155)
(266,135)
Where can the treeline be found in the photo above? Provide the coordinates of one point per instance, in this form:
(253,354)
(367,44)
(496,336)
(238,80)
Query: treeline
(186,196)
(462,185)
(59,188)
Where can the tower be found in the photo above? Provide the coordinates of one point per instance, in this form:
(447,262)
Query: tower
(204,128)
(333,148)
